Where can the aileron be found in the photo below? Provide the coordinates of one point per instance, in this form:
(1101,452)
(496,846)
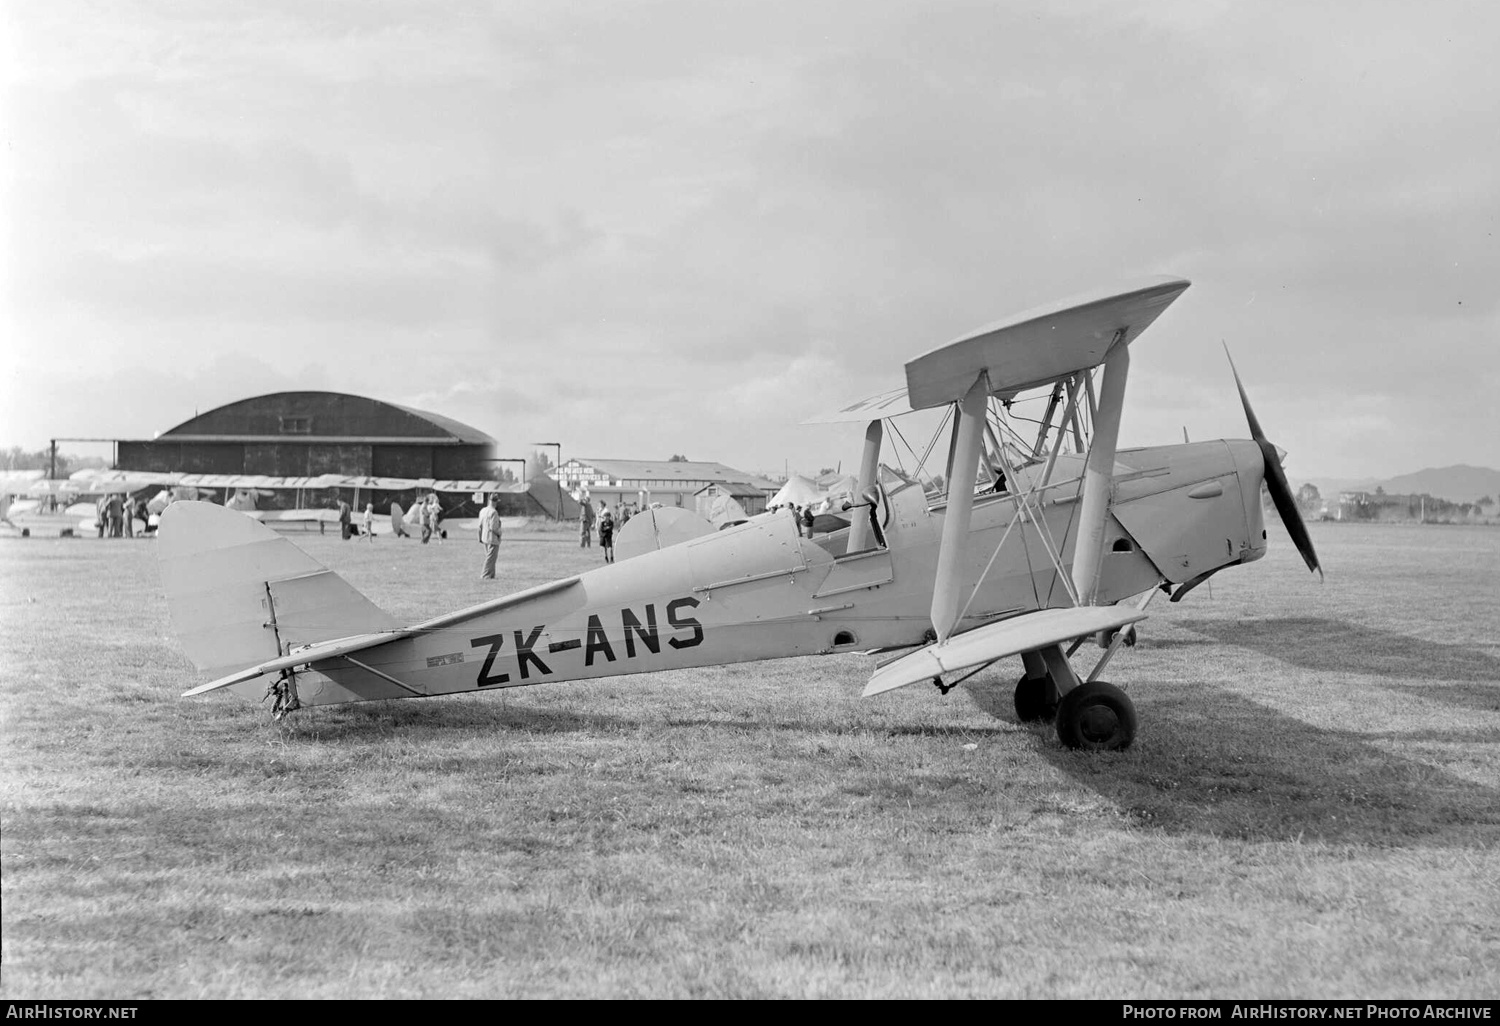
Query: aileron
(1025,633)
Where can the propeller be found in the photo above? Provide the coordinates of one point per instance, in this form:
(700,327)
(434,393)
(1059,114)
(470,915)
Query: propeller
(1276,483)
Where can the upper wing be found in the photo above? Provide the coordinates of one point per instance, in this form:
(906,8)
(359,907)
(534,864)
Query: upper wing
(1024,351)
(1041,345)
(1025,633)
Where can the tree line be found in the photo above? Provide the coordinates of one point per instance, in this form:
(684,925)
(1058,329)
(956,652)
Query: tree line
(17,458)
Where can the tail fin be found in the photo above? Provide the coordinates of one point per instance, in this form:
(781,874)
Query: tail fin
(240,594)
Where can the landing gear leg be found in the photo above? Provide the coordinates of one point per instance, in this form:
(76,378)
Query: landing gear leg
(284,692)
(1036,694)
(1093,715)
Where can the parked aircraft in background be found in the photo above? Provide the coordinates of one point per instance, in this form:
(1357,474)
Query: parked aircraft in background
(34,504)
(48,506)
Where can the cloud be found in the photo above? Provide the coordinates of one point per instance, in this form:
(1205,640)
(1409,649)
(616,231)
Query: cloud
(136,399)
(652,225)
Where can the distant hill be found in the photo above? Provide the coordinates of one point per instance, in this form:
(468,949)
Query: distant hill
(1460,483)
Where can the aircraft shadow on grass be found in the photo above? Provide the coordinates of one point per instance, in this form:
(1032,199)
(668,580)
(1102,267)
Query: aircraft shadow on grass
(483,718)
(490,718)
(1224,765)
(1212,762)
(1453,674)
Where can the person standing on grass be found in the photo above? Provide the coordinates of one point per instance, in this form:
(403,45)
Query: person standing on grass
(370,521)
(489,536)
(607,533)
(116,508)
(346,519)
(585,524)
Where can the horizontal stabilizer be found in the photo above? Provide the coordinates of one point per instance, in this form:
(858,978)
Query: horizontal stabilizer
(1025,633)
(310,654)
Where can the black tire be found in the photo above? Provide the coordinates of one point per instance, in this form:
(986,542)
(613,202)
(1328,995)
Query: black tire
(1036,699)
(1096,717)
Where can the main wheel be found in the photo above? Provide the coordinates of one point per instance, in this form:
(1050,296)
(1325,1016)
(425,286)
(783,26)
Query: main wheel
(1036,699)
(1096,717)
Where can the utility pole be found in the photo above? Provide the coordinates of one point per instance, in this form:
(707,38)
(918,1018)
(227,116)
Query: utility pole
(558,469)
(114,460)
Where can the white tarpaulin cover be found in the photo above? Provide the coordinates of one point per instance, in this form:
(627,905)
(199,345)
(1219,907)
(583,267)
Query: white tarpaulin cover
(798,490)
(721,510)
(826,495)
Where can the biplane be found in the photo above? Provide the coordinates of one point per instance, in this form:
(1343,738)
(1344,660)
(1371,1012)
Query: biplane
(34,504)
(1044,535)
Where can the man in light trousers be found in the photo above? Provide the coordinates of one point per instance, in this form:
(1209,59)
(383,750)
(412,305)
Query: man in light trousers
(489,536)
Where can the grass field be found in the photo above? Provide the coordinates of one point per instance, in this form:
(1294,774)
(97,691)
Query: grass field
(1312,808)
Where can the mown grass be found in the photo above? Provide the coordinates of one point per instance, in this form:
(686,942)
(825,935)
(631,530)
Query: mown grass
(1311,810)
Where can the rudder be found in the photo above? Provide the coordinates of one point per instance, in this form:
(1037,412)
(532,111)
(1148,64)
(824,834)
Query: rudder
(240,594)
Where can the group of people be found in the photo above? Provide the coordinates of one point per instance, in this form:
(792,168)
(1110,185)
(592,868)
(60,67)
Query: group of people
(118,513)
(802,516)
(607,523)
(428,515)
(428,512)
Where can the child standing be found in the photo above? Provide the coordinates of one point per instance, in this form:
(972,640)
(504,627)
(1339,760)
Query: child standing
(607,535)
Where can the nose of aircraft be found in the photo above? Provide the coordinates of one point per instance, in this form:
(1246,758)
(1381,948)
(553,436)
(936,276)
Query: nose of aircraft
(1275,477)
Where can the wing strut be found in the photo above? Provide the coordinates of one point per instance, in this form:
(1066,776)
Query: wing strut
(1098,473)
(1069,413)
(1041,435)
(963,468)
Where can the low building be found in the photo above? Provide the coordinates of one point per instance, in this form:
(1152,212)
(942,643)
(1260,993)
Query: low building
(669,482)
(1382,506)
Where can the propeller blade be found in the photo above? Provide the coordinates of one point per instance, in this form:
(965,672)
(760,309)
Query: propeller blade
(1275,478)
(1286,505)
(1255,431)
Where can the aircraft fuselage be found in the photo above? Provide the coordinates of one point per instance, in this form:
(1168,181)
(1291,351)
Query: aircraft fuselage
(760,590)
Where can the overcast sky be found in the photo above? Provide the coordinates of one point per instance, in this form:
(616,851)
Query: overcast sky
(642,229)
